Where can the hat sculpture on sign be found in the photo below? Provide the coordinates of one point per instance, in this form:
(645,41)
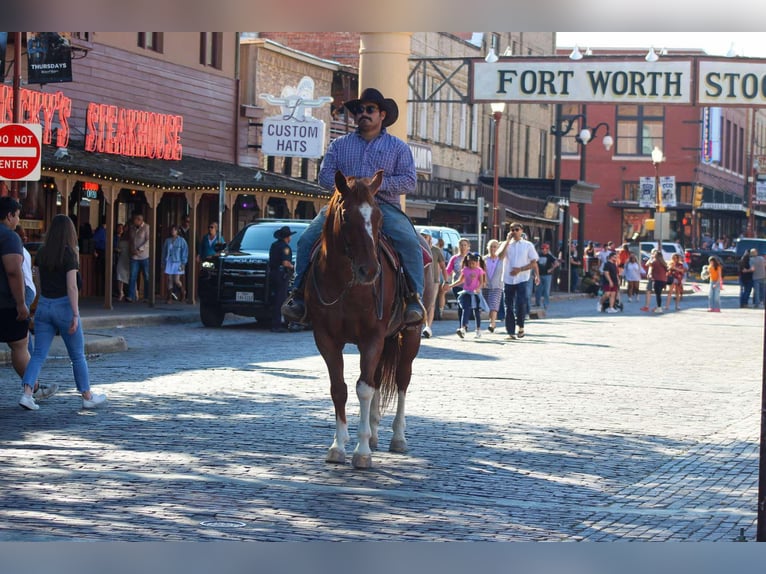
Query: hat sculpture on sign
(373,96)
(283,232)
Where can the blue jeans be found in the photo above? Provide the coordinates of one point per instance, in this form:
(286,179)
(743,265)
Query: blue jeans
(759,291)
(515,306)
(745,288)
(469,305)
(543,290)
(52,315)
(29,298)
(135,266)
(714,296)
(395,224)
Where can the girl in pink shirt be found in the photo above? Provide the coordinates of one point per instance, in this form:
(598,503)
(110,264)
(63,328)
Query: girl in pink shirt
(472,278)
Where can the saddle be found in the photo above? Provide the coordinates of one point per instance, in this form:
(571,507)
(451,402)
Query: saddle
(403,288)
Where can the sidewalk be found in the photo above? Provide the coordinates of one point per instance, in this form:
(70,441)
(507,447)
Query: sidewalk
(95,317)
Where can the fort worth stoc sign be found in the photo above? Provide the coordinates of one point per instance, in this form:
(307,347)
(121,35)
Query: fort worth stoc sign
(695,80)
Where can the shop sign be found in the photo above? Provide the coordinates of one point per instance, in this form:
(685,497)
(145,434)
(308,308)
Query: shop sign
(135,133)
(723,206)
(51,110)
(708,81)
(20,152)
(760,192)
(49,57)
(626,82)
(295,133)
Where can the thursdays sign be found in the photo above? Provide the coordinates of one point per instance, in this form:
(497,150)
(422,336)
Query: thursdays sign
(671,80)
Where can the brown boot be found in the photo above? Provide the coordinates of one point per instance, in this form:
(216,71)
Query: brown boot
(294,309)
(415,312)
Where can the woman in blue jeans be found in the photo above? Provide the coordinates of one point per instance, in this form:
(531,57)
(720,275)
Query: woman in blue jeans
(58,310)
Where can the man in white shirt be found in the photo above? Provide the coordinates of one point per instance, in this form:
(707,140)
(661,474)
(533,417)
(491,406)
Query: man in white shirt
(519,259)
(603,255)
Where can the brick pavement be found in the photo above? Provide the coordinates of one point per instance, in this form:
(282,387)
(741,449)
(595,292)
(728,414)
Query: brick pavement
(595,427)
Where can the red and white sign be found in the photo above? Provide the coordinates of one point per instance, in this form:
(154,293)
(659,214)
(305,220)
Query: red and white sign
(20,152)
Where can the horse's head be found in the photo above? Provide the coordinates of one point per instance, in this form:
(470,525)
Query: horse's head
(359,224)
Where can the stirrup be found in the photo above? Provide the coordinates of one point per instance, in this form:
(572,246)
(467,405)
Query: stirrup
(294,310)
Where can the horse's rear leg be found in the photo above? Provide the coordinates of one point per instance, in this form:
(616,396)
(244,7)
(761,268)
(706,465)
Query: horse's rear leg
(374,419)
(410,346)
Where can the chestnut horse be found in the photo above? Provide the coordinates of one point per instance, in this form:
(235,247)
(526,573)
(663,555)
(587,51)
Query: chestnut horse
(353,295)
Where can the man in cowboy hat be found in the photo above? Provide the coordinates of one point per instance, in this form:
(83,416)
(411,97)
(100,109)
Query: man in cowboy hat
(361,154)
(281,269)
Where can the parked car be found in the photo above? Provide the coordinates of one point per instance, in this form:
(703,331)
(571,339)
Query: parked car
(668,248)
(450,236)
(236,279)
(697,258)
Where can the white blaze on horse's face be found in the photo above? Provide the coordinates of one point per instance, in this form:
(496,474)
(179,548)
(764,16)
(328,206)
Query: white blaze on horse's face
(366,211)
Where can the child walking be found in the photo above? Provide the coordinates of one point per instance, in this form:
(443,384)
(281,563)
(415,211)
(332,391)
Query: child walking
(472,278)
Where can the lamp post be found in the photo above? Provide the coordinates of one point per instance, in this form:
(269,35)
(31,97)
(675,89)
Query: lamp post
(657,158)
(561,128)
(497,112)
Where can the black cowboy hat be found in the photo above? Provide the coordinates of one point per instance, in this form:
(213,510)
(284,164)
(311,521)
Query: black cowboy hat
(373,96)
(283,232)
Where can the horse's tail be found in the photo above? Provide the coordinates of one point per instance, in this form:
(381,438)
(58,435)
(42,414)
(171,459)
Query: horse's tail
(387,370)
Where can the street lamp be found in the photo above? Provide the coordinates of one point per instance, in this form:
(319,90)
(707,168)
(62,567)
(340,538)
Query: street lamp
(497,112)
(657,158)
(561,128)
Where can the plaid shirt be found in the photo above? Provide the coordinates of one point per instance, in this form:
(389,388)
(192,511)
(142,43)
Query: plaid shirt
(356,157)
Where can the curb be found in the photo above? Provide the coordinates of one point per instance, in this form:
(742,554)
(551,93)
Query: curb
(95,344)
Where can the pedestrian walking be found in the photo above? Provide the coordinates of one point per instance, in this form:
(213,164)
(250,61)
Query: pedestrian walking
(610,283)
(454,267)
(175,254)
(546,264)
(519,261)
(436,276)
(122,272)
(472,278)
(493,291)
(58,311)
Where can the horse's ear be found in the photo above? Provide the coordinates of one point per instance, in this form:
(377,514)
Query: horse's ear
(377,179)
(340,182)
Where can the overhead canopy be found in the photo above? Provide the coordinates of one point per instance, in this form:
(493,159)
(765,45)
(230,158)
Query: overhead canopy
(189,173)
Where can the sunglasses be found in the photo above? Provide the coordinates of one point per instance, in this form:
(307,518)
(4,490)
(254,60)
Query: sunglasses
(211,227)
(366,109)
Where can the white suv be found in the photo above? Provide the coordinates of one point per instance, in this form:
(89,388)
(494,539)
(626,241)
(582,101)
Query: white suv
(668,248)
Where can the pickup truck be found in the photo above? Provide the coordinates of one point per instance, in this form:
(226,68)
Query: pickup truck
(696,258)
(237,278)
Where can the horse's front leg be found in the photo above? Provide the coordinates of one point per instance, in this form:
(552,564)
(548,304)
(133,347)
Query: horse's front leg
(338,391)
(365,391)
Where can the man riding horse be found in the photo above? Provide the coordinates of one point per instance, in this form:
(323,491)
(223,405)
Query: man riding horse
(360,154)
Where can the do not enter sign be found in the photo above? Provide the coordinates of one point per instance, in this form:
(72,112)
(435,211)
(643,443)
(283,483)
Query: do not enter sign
(20,152)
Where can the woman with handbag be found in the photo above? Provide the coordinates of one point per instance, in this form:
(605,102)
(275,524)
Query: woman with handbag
(58,310)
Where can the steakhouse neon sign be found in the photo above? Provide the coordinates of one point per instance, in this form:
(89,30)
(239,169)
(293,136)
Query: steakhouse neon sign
(136,133)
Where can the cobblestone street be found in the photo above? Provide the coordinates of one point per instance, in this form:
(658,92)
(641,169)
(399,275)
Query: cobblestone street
(595,427)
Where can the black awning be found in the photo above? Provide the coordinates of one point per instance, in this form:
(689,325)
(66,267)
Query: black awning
(189,173)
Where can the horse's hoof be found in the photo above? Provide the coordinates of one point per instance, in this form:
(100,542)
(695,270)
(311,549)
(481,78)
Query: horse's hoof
(336,456)
(361,461)
(398,445)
